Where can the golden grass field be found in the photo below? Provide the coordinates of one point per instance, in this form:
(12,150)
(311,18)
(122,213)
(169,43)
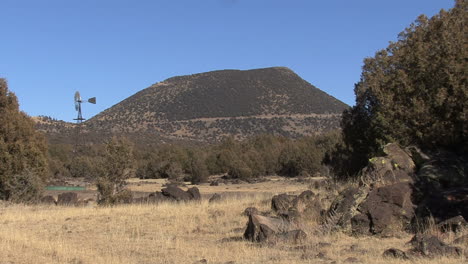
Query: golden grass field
(176,233)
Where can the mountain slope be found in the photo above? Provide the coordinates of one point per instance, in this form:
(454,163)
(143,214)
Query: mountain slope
(209,106)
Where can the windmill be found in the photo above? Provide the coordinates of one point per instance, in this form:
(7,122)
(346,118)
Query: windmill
(78,137)
(78,102)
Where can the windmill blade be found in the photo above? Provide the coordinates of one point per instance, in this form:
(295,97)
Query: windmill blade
(92,100)
(77,97)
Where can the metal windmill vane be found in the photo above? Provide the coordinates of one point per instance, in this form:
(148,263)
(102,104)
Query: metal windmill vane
(78,102)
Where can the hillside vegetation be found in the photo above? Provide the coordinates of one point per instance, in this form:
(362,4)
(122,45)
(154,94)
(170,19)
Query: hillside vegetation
(209,106)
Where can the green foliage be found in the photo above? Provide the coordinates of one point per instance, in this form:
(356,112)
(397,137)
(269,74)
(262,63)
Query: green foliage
(198,169)
(118,163)
(414,91)
(23,162)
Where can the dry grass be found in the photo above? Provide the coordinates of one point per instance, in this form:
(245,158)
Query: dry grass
(170,233)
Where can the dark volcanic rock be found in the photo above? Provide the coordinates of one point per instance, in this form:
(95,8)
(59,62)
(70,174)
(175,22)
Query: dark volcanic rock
(389,208)
(176,193)
(360,224)
(295,207)
(68,198)
(263,228)
(294,236)
(463,240)
(345,206)
(194,193)
(250,211)
(395,253)
(431,246)
(282,202)
(454,224)
(49,199)
(215,198)
(396,166)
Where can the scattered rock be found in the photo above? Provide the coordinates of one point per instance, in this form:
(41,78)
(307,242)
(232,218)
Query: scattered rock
(282,202)
(454,224)
(396,166)
(176,193)
(395,253)
(462,240)
(431,246)
(323,244)
(263,228)
(194,193)
(215,198)
(389,209)
(68,198)
(49,199)
(351,260)
(360,225)
(294,207)
(294,236)
(344,207)
(250,211)
(321,255)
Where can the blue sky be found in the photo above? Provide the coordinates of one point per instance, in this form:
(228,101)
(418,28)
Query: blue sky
(112,49)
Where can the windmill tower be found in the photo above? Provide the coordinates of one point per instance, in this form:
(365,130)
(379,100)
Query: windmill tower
(78,102)
(79,119)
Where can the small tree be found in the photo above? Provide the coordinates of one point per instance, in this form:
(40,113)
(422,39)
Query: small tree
(117,167)
(414,92)
(23,162)
(198,169)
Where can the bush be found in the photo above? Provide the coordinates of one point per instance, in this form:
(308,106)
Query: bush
(25,187)
(413,92)
(117,166)
(198,170)
(23,162)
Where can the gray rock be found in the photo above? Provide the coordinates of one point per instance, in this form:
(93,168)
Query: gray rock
(215,198)
(431,246)
(263,228)
(176,193)
(194,193)
(395,253)
(49,199)
(68,198)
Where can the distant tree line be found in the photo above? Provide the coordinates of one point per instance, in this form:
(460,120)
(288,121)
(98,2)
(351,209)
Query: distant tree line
(257,156)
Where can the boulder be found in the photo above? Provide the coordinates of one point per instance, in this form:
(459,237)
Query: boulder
(360,225)
(194,193)
(294,236)
(431,246)
(68,198)
(454,224)
(396,166)
(307,203)
(463,240)
(344,207)
(215,198)
(282,202)
(176,193)
(441,190)
(395,253)
(48,199)
(263,228)
(250,211)
(295,207)
(389,209)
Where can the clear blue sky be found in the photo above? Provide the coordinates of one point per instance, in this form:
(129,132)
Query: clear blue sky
(112,49)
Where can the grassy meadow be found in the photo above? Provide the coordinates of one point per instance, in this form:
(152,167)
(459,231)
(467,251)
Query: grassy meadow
(194,232)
